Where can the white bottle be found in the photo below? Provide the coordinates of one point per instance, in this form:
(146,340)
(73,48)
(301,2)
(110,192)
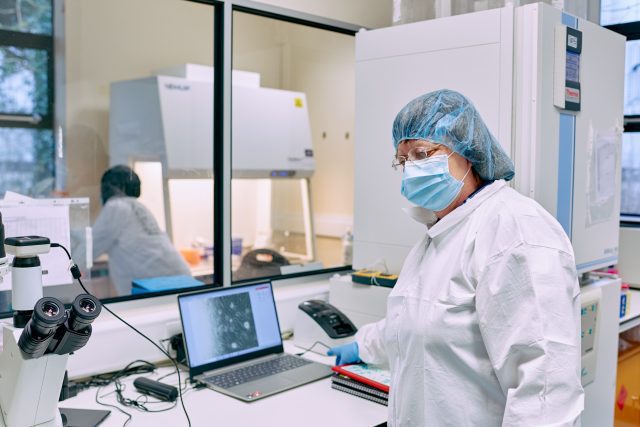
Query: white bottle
(347,248)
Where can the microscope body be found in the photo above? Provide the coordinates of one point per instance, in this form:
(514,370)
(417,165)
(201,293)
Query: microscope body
(26,274)
(36,348)
(29,388)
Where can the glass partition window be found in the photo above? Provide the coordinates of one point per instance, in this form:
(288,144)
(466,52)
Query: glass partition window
(292,127)
(632,79)
(630,202)
(623,16)
(118,148)
(139,139)
(619,11)
(132,156)
(26,98)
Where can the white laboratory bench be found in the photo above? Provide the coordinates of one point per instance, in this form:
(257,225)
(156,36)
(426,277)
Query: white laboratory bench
(314,404)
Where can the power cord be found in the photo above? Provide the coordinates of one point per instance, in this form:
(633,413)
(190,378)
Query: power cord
(140,403)
(102,380)
(75,272)
(175,344)
(306,350)
(128,415)
(137,403)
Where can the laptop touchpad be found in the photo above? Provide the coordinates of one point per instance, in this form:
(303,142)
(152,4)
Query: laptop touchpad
(263,386)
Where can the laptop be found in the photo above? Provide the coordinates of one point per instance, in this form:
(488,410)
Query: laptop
(233,343)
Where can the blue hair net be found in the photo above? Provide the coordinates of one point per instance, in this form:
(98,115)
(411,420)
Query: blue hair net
(447,117)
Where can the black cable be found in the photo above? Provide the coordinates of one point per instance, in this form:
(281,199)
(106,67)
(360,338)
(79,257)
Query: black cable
(75,272)
(165,376)
(186,381)
(135,403)
(140,403)
(306,350)
(102,380)
(129,416)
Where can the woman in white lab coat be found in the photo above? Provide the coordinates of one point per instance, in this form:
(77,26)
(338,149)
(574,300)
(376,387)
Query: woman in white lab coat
(482,327)
(127,231)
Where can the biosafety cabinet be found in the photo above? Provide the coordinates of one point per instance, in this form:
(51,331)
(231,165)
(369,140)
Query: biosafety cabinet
(550,88)
(169,117)
(162,126)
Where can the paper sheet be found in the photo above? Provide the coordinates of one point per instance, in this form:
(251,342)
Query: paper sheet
(46,221)
(605,169)
(11,196)
(370,372)
(603,160)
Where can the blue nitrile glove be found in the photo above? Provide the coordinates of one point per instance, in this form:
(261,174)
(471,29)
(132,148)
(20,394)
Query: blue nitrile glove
(345,354)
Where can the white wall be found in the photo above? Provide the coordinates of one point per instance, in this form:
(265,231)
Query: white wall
(368,13)
(407,11)
(321,64)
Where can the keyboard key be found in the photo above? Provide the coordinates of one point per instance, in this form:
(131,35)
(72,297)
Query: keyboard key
(256,372)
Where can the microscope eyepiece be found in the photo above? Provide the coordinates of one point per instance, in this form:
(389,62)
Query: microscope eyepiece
(48,315)
(50,310)
(52,329)
(87,306)
(84,310)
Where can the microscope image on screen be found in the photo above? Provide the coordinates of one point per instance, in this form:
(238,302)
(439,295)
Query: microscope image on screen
(235,328)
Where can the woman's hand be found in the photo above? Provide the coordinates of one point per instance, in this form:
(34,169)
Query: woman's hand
(345,354)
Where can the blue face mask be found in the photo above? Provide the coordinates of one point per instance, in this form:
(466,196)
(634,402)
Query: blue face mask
(429,184)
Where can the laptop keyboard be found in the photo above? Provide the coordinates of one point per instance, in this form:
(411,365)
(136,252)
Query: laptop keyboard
(256,372)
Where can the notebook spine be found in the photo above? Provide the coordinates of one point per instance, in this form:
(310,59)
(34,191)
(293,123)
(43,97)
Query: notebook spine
(348,382)
(361,394)
(365,374)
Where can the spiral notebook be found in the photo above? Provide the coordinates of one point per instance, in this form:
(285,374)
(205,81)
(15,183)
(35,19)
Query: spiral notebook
(371,375)
(344,381)
(359,393)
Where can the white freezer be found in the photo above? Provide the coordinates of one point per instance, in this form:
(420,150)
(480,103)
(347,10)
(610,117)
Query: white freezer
(504,62)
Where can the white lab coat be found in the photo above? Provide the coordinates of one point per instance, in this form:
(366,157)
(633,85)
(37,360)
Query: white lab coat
(137,248)
(483,325)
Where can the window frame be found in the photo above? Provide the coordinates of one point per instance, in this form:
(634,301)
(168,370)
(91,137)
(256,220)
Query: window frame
(223,153)
(222,137)
(41,42)
(631,30)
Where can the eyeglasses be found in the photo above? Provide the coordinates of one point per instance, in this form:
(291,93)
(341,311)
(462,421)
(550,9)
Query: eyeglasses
(415,154)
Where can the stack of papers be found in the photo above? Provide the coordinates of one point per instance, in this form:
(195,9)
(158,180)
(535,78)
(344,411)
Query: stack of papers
(362,380)
(24,216)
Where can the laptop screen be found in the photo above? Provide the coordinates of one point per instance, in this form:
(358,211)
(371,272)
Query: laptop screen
(229,323)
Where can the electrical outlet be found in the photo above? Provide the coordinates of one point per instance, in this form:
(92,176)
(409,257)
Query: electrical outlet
(172,328)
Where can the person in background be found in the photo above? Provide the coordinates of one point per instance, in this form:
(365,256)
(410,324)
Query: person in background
(127,231)
(483,324)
